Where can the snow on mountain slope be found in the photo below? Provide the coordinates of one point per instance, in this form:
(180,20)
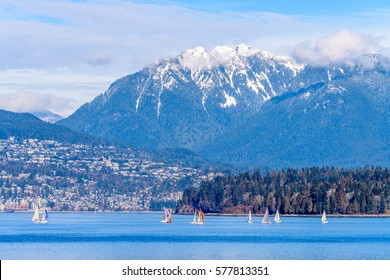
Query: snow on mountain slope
(246,107)
(341,122)
(47,116)
(187,100)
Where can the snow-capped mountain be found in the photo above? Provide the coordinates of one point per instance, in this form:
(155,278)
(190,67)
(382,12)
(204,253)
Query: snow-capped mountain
(188,100)
(246,107)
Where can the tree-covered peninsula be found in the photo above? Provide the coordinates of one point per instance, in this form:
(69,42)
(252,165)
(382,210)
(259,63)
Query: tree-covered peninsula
(294,191)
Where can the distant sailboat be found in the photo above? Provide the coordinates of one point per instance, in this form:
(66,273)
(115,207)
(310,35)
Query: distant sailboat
(169,220)
(35,218)
(45,217)
(194,220)
(323,218)
(198,217)
(43,220)
(266,217)
(165,215)
(249,220)
(277,217)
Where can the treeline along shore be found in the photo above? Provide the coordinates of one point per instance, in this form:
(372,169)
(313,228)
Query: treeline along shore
(305,191)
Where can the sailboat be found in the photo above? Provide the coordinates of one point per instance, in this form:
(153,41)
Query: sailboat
(277,217)
(323,218)
(35,218)
(45,217)
(165,215)
(43,220)
(198,217)
(249,220)
(169,220)
(266,217)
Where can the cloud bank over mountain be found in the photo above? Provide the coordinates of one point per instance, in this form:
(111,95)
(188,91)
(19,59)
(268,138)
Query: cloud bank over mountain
(343,47)
(33,102)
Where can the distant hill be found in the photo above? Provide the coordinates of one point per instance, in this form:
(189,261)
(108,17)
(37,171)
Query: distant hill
(47,116)
(25,125)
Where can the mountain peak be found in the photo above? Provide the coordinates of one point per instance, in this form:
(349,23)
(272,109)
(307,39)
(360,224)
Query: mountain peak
(196,59)
(373,61)
(223,55)
(199,59)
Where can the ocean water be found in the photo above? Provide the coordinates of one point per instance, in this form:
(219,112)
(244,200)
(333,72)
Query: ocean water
(141,236)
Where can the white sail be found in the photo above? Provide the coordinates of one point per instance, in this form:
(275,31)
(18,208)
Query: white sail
(323,218)
(249,220)
(169,219)
(198,217)
(266,217)
(165,215)
(35,217)
(277,217)
(43,219)
(45,216)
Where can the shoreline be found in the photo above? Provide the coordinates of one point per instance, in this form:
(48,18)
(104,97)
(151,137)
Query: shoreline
(220,214)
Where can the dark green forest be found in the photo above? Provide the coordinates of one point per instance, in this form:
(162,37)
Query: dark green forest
(25,126)
(294,191)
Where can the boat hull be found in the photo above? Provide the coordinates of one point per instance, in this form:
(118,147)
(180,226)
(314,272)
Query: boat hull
(39,222)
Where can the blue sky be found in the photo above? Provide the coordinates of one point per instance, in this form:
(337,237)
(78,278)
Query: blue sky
(60,54)
(303,7)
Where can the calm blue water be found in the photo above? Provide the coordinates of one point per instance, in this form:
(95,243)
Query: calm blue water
(120,236)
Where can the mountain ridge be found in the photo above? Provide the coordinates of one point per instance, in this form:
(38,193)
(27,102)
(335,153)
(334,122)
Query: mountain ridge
(199,99)
(171,104)
(26,125)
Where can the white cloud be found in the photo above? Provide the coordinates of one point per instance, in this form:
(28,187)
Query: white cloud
(62,84)
(34,102)
(131,34)
(342,47)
